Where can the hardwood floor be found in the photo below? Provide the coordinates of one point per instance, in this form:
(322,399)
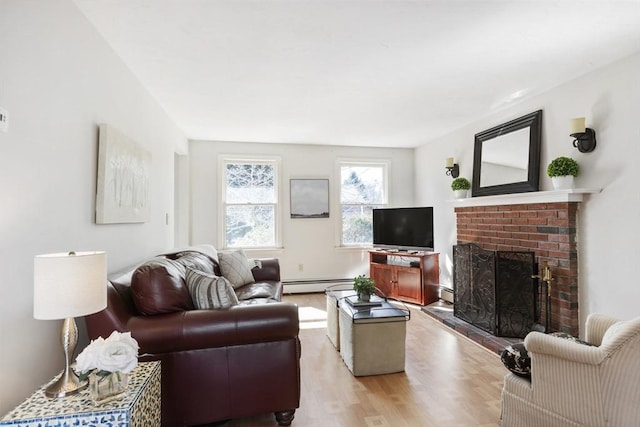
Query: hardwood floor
(448,380)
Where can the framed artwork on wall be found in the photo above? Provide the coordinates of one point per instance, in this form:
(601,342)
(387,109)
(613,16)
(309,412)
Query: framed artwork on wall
(309,198)
(124,170)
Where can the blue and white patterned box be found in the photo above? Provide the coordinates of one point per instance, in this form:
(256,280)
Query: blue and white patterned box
(139,407)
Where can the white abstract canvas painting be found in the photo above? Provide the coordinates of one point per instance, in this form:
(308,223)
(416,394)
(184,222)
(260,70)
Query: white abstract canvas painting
(309,198)
(124,169)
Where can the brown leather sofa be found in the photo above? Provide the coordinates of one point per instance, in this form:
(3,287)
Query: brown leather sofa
(216,364)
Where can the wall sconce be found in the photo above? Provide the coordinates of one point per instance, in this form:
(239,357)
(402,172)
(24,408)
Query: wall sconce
(452,168)
(584,138)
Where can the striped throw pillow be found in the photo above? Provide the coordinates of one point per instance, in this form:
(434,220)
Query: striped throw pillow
(209,291)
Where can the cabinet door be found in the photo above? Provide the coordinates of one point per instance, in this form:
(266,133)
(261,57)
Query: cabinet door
(409,284)
(431,278)
(382,275)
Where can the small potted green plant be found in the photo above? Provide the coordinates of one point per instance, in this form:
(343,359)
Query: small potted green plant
(562,170)
(460,187)
(364,287)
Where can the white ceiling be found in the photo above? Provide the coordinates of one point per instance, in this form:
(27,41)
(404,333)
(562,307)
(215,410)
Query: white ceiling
(387,73)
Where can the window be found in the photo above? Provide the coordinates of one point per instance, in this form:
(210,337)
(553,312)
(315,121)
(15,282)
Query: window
(362,188)
(250,200)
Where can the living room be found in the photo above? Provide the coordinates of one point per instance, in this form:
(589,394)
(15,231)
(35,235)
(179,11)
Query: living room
(60,79)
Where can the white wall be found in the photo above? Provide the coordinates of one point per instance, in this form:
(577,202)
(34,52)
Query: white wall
(310,242)
(59,80)
(181,195)
(609,221)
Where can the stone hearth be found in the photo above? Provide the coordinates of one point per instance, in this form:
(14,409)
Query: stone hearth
(443,312)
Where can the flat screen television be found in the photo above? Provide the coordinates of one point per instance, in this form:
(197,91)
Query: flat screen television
(403,228)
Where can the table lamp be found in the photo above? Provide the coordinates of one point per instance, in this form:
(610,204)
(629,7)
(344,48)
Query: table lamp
(65,286)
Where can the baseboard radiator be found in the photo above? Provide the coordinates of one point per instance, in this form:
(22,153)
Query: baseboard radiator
(317,285)
(446,294)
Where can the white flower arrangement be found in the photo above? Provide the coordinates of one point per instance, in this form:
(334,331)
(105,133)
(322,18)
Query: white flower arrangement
(117,353)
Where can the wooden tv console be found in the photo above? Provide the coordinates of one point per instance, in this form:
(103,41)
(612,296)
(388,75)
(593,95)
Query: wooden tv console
(397,278)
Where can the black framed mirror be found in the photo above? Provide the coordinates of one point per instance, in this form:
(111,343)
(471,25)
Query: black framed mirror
(506,158)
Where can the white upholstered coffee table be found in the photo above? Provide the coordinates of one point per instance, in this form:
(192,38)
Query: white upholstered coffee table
(372,339)
(333,300)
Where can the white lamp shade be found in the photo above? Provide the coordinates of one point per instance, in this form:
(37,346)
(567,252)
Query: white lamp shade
(69,284)
(577,125)
(449,163)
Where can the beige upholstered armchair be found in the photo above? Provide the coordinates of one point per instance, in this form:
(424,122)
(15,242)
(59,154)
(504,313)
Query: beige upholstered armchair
(573,384)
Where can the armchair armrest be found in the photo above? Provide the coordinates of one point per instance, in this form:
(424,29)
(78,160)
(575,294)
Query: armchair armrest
(561,368)
(596,326)
(270,270)
(538,343)
(202,329)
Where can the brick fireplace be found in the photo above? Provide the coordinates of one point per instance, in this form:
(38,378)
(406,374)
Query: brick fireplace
(544,223)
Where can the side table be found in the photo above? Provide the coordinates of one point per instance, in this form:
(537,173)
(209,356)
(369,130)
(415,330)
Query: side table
(139,407)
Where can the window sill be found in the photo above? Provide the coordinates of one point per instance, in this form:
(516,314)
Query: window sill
(353,248)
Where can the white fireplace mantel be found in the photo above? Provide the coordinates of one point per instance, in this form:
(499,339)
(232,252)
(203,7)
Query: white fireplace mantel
(555,196)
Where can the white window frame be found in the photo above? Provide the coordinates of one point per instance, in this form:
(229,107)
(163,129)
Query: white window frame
(223,160)
(385,165)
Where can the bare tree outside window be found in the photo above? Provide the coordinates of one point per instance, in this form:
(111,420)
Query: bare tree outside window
(250,204)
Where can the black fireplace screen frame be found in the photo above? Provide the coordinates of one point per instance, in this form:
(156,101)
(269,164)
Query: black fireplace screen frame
(495,290)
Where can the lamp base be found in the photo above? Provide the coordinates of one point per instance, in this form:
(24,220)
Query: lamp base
(66,385)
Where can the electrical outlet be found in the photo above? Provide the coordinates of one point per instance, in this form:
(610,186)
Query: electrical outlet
(4,120)
(300,267)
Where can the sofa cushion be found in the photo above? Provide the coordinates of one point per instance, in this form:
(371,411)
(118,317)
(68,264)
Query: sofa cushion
(196,261)
(258,290)
(236,267)
(209,291)
(158,286)
(569,337)
(516,359)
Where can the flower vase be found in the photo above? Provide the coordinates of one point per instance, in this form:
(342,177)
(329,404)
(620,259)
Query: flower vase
(562,182)
(460,194)
(104,388)
(364,297)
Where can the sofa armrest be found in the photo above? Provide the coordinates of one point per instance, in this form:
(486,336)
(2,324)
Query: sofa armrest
(538,343)
(270,270)
(202,329)
(596,326)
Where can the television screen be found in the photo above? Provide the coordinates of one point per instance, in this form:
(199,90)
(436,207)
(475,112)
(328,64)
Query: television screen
(403,228)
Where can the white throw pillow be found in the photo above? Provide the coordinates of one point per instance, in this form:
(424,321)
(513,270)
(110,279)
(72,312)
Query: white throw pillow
(236,267)
(209,291)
